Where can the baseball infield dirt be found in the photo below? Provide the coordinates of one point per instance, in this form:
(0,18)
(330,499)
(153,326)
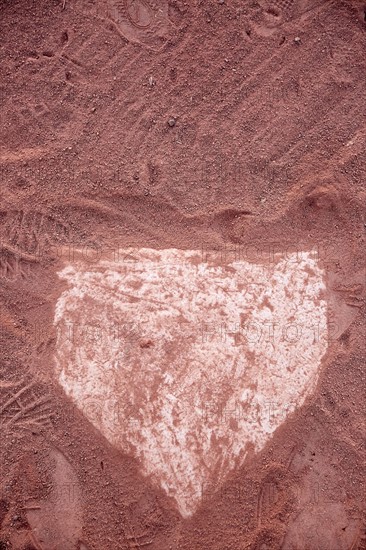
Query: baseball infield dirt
(182,274)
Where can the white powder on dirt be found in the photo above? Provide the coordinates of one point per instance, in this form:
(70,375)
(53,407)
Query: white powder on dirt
(188,364)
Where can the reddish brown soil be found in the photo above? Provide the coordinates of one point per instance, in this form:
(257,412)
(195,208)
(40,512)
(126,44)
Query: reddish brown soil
(267,150)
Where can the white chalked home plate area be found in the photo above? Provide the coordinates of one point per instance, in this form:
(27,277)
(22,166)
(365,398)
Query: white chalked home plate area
(187,364)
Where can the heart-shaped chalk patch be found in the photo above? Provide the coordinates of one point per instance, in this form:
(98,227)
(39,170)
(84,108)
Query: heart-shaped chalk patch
(187,362)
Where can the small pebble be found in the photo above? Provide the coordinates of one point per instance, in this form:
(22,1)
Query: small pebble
(172,122)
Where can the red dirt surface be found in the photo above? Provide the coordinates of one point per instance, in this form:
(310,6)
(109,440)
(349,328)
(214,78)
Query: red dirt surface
(216,125)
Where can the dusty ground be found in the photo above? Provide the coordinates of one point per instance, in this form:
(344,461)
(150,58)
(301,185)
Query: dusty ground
(234,125)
